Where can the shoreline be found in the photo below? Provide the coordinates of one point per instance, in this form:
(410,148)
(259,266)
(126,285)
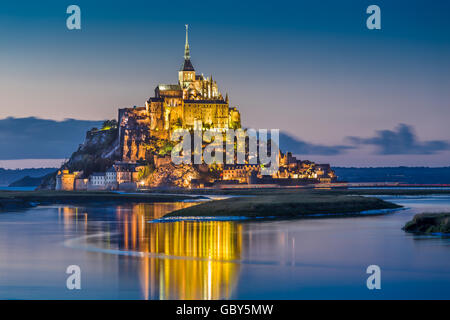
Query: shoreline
(376,212)
(245,205)
(19,200)
(269,191)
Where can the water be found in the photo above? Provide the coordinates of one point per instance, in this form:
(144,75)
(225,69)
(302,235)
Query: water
(17,188)
(122,256)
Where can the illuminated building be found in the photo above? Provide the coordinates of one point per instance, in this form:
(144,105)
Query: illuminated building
(195,98)
(65,180)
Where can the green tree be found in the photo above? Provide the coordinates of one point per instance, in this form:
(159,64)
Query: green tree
(109,124)
(166,148)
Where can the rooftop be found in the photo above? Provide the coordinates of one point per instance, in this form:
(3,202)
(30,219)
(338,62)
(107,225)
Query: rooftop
(166,87)
(217,101)
(187,65)
(98,174)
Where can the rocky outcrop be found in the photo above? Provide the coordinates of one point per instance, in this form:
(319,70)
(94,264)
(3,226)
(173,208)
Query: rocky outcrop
(429,223)
(134,133)
(171,175)
(97,153)
(134,143)
(100,144)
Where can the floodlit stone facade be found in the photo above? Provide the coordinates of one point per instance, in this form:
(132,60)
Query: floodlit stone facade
(65,180)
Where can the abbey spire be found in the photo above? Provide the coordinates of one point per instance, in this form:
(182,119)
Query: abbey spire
(187,55)
(187,65)
(186,75)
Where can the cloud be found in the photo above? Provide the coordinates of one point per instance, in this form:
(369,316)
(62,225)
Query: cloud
(401,140)
(299,147)
(34,138)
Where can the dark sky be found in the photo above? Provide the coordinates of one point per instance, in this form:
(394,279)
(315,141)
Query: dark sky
(310,68)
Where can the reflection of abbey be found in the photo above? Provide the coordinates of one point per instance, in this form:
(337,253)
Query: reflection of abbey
(192,100)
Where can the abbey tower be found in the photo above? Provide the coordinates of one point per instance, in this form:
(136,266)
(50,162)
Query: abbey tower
(193,100)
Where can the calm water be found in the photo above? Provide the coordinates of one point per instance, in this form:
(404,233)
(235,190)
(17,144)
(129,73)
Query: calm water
(17,188)
(122,256)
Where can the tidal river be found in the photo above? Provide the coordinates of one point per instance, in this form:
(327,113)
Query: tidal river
(122,255)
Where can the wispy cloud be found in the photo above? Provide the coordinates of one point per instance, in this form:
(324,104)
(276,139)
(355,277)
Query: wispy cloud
(300,147)
(401,140)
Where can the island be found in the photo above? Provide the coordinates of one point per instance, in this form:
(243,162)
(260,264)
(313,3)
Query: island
(149,145)
(429,223)
(285,204)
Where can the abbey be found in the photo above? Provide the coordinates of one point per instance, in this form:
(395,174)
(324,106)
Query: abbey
(137,150)
(193,100)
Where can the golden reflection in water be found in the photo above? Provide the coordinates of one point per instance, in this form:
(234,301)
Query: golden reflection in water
(194,259)
(73,218)
(181,260)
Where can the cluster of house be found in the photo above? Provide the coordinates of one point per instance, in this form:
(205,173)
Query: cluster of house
(122,175)
(126,175)
(290,171)
(293,168)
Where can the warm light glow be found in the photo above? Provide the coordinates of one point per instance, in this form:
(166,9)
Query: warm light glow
(197,257)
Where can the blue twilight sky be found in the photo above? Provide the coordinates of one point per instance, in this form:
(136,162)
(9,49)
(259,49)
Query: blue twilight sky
(309,68)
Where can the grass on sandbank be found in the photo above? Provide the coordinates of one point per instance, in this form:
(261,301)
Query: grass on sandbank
(11,200)
(285,206)
(429,223)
